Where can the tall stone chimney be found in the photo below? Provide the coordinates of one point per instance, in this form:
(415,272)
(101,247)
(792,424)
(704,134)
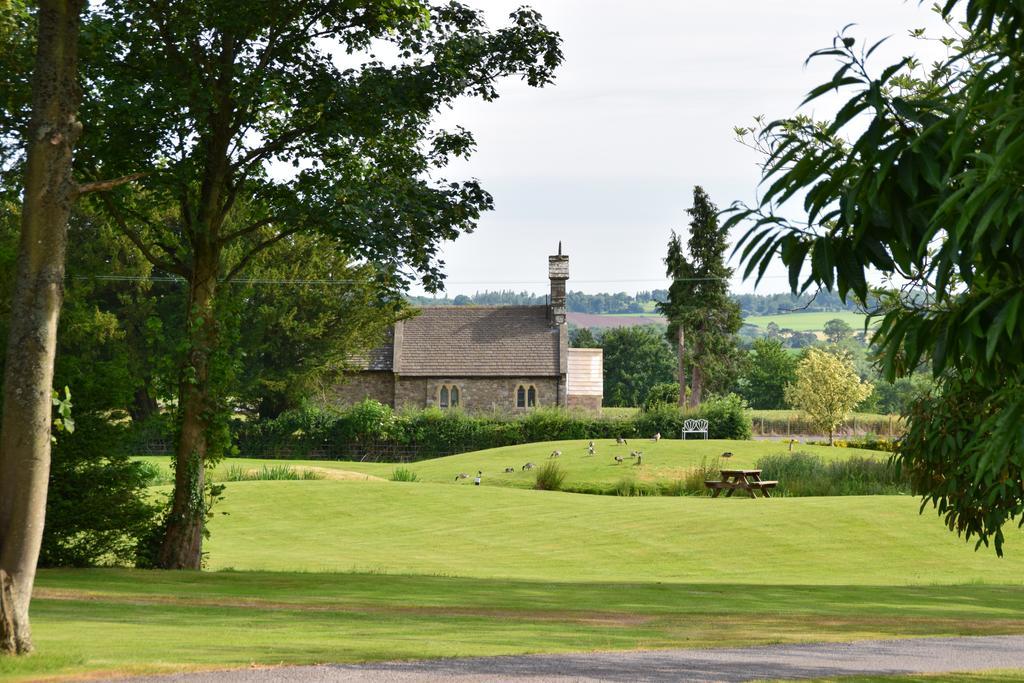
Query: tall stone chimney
(558,273)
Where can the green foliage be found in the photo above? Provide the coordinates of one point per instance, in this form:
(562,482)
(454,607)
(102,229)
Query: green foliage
(367,420)
(307,311)
(97,507)
(63,422)
(664,393)
(433,432)
(635,359)
(583,338)
(963,456)
(899,396)
(802,474)
(272,473)
(693,483)
(837,329)
(769,368)
(698,300)
(403,474)
(661,418)
(827,388)
(727,416)
(550,477)
(917,177)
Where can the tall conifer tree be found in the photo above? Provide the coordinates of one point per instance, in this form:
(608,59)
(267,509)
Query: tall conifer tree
(698,307)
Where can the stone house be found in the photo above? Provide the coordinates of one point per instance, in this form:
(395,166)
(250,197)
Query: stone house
(482,358)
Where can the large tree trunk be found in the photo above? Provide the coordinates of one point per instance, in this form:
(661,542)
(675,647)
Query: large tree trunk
(38,293)
(183,539)
(682,367)
(144,405)
(697,379)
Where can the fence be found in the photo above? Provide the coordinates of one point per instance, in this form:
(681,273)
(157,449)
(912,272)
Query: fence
(781,423)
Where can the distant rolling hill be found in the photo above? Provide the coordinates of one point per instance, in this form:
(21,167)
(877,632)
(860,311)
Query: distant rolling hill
(797,321)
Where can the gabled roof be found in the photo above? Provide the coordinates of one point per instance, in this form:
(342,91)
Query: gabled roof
(379,358)
(476,341)
(495,341)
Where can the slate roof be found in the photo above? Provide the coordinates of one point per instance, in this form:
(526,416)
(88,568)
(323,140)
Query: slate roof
(379,358)
(473,341)
(479,341)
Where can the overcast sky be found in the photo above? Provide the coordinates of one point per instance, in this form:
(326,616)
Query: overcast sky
(642,110)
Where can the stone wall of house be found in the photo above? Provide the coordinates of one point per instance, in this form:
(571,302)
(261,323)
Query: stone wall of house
(476,394)
(410,392)
(359,386)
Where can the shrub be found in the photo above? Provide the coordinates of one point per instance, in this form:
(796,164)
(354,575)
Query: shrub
(367,420)
(403,474)
(550,477)
(727,417)
(97,507)
(666,393)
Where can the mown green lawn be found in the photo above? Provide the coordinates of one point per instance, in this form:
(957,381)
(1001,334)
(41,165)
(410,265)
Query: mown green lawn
(807,322)
(360,570)
(665,461)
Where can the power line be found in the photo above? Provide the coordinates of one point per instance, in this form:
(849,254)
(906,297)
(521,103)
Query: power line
(269,281)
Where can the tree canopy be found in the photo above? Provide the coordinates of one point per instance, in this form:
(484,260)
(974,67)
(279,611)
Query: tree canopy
(698,301)
(918,176)
(232,132)
(635,359)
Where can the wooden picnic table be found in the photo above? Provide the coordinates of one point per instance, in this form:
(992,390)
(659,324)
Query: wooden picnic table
(747,480)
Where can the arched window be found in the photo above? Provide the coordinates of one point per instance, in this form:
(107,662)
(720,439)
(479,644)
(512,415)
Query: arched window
(526,396)
(448,396)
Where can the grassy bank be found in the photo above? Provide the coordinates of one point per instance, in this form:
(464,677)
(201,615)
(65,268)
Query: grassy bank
(444,570)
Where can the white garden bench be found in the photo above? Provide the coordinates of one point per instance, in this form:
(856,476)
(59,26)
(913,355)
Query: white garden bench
(695,427)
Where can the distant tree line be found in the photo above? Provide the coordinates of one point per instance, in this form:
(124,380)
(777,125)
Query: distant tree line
(623,302)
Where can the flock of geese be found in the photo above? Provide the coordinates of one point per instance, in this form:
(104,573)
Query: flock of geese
(636,456)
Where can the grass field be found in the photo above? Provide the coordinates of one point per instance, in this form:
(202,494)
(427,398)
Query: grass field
(354,568)
(666,461)
(807,322)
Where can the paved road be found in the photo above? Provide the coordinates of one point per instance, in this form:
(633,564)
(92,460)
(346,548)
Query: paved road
(920,655)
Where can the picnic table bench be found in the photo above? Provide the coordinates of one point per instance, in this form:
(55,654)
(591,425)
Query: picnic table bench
(747,480)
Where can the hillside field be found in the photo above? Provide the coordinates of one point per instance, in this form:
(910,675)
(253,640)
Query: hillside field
(807,322)
(357,568)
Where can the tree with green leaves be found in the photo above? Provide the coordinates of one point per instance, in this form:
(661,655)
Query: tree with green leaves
(703,319)
(49,129)
(583,338)
(282,110)
(918,176)
(827,388)
(769,368)
(836,330)
(303,313)
(635,359)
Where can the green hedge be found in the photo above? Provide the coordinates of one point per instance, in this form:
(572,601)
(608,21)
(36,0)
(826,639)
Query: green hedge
(370,427)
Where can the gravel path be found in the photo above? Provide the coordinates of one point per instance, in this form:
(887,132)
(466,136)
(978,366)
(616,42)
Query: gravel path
(920,655)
